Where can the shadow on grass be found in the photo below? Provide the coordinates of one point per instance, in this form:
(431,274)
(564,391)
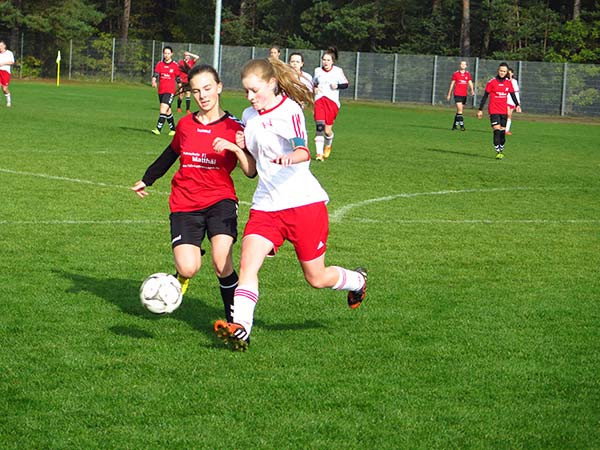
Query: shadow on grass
(431,127)
(196,312)
(454,152)
(137,130)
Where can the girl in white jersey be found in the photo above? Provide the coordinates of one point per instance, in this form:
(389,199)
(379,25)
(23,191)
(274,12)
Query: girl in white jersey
(289,203)
(297,63)
(328,81)
(7,59)
(509,100)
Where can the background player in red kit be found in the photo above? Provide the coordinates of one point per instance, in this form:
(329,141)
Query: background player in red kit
(166,76)
(185,64)
(461,79)
(203,199)
(498,89)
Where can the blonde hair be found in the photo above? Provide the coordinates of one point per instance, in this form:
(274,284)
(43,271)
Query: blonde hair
(287,78)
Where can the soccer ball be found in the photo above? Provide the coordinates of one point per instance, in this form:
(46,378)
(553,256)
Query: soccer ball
(160,293)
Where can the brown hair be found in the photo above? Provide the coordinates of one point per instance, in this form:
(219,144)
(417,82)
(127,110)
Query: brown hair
(332,51)
(287,78)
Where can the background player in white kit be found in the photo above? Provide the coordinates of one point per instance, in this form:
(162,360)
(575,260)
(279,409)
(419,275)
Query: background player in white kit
(296,61)
(289,203)
(7,59)
(509,100)
(328,80)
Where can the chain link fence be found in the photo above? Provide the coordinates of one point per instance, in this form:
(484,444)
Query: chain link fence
(546,88)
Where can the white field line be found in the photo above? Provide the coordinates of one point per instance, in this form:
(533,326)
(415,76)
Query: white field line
(339,214)
(479,221)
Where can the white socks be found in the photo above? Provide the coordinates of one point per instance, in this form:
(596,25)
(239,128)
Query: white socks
(7,99)
(244,302)
(508,122)
(319,144)
(329,139)
(349,280)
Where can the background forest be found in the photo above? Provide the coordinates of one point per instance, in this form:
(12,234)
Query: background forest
(534,30)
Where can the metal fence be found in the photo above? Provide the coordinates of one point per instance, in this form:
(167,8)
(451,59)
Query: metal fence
(546,88)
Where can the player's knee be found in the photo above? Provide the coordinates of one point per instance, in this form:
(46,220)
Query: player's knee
(188,270)
(320,127)
(222,267)
(316,280)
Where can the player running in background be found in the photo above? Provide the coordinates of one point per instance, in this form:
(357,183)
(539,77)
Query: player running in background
(461,79)
(166,76)
(289,203)
(498,89)
(328,81)
(7,60)
(185,64)
(296,61)
(203,199)
(510,103)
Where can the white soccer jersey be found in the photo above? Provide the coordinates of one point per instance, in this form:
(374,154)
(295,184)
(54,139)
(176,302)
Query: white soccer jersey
(324,79)
(307,80)
(6,57)
(268,135)
(516,88)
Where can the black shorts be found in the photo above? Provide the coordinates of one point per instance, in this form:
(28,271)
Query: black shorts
(498,119)
(167,99)
(191,227)
(460,99)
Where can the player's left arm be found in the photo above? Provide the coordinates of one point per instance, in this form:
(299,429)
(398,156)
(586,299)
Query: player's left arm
(472,87)
(299,154)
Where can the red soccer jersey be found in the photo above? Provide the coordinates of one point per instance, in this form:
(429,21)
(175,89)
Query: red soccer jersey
(204,176)
(167,77)
(462,81)
(184,68)
(498,89)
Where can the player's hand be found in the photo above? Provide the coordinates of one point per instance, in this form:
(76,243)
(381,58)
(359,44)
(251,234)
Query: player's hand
(240,140)
(448,97)
(479,114)
(154,84)
(140,189)
(220,144)
(518,109)
(283,160)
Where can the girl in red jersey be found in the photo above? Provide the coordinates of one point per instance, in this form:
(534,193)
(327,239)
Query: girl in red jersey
(329,79)
(203,199)
(289,203)
(185,64)
(165,78)
(461,79)
(498,89)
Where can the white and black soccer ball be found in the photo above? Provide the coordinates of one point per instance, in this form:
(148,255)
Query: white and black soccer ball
(160,293)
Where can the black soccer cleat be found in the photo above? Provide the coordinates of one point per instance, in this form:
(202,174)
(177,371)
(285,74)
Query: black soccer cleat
(355,298)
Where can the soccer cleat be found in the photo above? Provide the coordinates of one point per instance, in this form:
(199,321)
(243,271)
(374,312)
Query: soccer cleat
(355,298)
(233,334)
(172,133)
(178,109)
(156,131)
(327,151)
(462,128)
(319,157)
(508,133)
(187,111)
(185,283)
(499,155)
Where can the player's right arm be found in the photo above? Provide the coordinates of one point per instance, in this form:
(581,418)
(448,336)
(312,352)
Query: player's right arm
(156,170)
(450,89)
(155,76)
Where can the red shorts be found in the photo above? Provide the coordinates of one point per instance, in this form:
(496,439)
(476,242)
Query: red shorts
(511,106)
(4,77)
(326,110)
(306,227)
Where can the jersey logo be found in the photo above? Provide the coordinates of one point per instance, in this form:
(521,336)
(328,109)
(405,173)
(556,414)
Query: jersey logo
(201,130)
(267,124)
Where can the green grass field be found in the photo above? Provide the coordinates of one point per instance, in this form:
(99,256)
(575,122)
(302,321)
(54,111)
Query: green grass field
(481,328)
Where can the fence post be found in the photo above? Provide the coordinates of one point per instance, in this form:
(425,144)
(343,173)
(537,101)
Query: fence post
(356,75)
(190,47)
(253,52)
(563,98)
(70,56)
(152,67)
(475,82)
(434,80)
(220,57)
(112,65)
(520,71)
(394,78)
(287,52)
(21,65)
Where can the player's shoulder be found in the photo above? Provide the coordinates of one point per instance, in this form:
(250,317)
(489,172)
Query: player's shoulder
(248,114)
(233,121)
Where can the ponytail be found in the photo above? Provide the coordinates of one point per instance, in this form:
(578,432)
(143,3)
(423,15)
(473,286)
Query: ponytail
(288,82)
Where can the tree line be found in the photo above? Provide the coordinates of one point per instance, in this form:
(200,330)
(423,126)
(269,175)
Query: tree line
(534,30)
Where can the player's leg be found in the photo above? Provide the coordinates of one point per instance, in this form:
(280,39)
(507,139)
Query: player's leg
(188,260)
(328,139)
(509,112)
(319,115)
(179,100)
(497,129)
(187,233)
(7,95)
(162,115)
(170,119)
(255,249)
(188,101)
(460,120)
(455,121)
